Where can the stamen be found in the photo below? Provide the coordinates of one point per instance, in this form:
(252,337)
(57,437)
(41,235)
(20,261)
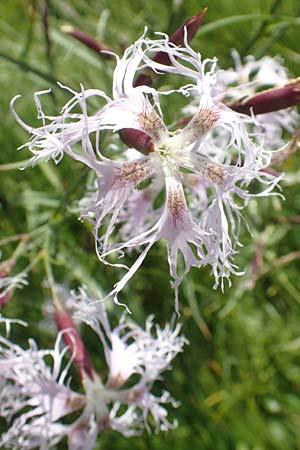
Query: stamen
(214,173)
(116,381)
(176,204)
(152,125)
(204,120)
(133,172)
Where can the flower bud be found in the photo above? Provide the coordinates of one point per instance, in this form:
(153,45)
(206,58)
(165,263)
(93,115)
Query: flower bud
(270,100)
(74,342)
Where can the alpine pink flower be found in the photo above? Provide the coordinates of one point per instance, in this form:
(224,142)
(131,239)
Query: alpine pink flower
(36,393)
(214,148)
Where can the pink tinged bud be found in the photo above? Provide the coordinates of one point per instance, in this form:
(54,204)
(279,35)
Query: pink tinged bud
(74,342)
(4,299)
(270,100)
(87,40)
(270,171)
(178,38)
(256,265)
(5,269)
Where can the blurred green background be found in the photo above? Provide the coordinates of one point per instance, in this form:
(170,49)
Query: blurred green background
(239,379)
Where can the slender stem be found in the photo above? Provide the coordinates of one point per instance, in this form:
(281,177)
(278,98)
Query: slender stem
(28,68)
(30,33)
(33,263)
(65,199)
(261,29)
(19,250)
(275,36)
(14,165)
(45,23)
(50,276)
(16,237)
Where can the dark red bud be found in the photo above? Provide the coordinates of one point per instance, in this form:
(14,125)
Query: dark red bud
(192,25)
(270,100)
(137,139)
(73,340)
(87,40)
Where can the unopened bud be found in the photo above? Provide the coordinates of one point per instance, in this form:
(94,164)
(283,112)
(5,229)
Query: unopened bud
(87,40)
(137,139)
(73,340)
(270,100)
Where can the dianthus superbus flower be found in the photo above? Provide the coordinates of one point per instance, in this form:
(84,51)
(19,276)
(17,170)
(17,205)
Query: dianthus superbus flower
(213,152)
(37,393)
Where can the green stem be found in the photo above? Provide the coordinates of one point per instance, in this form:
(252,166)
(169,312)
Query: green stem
(50,277)
(14,165)
(261,29)
(27,68)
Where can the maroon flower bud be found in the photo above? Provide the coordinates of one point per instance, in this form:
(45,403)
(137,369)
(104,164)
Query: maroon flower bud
(87,40)
(137,139)
(192,25)
(270,100)
(73,340)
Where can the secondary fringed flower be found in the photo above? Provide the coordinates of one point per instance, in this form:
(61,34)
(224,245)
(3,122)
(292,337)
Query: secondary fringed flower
(214,148)
(262,87)
(36,396)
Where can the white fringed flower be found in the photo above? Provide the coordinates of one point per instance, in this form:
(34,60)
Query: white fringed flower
(128,348)
(248,78)
(245,78)
(214,147)
(36,396)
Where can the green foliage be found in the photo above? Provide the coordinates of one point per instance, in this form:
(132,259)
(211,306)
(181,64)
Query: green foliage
(239,379)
